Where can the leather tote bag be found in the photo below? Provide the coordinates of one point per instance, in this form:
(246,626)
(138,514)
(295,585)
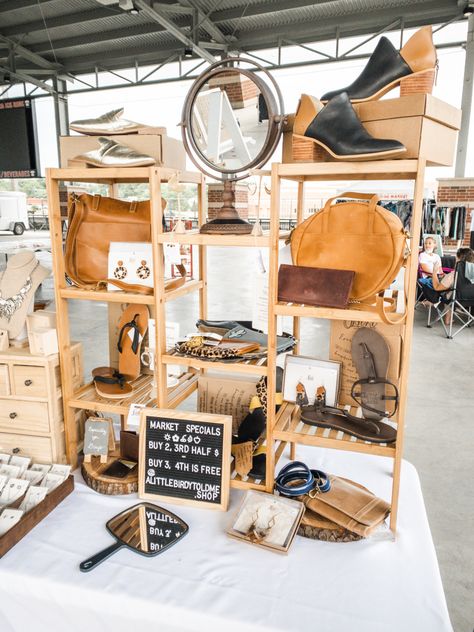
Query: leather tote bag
(355,235)
(94,222)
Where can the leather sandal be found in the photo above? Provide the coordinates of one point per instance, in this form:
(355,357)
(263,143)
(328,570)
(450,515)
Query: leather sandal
(112,386)
(371,356)
(322,416)
(134,319)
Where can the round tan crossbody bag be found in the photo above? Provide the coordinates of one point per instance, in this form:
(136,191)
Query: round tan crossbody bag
(360,236)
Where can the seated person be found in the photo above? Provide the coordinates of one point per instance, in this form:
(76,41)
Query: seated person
(427,260)
(447,281)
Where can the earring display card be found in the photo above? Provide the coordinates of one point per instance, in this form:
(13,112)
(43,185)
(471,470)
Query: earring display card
(20,461)
(13,490)
(11,471)
(9,518)
(268,521)
(131,262)
(33,476)
(312,374)
(33,497)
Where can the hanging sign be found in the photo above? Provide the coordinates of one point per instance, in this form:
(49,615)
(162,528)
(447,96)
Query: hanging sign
(185,457)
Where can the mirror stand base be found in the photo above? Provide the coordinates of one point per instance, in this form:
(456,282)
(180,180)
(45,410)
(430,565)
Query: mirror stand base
(226,227)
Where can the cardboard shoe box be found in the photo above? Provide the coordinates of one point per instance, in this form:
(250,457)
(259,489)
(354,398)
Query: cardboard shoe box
(152,141)
(427,126)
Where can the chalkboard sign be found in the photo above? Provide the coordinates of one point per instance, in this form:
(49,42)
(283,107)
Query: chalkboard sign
(98,438)
(185,457)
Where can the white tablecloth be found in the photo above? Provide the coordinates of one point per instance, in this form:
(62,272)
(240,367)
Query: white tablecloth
(209,581)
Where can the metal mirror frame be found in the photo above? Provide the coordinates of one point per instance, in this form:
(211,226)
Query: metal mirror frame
(276,117)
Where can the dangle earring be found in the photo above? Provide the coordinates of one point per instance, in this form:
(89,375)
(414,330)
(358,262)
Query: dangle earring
(143,271)
(120,271)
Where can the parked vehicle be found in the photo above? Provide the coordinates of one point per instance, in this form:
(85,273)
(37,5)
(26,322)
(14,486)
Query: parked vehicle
(13,212)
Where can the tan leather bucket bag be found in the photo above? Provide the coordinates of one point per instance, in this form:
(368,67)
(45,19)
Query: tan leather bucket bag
(94,222)
(354,235)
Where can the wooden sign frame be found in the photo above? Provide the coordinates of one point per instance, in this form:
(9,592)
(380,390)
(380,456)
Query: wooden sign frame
(165,413)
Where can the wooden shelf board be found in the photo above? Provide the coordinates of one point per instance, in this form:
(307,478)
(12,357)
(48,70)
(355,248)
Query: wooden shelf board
(343,170)
(229,367)
(87,397)
(104,296)
(289,428)
(190,286)
(122,174)
(308,311)
(193,237)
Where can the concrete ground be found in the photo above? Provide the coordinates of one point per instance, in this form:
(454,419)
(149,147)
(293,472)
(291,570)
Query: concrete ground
(439,428)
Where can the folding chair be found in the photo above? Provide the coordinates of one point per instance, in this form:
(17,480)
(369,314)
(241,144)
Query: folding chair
(459,304)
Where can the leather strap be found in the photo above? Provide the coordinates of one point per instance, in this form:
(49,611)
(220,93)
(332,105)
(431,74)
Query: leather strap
(372,198)
(296,479)
(117,378)
(377,380)
(136,335)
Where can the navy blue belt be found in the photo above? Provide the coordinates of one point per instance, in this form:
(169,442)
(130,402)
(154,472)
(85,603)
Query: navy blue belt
(296,479)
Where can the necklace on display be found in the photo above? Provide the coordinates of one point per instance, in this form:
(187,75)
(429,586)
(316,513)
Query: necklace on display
(8,306)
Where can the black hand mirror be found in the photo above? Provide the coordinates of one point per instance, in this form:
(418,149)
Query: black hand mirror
(144,528)
(231,123)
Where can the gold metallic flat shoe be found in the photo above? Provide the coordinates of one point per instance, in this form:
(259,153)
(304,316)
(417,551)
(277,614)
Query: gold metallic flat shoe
(109,123)
(112,154)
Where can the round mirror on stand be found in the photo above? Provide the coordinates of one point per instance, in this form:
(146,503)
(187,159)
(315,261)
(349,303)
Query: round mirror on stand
(231,124)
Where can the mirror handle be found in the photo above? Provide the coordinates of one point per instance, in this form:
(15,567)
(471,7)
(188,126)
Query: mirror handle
(99,557)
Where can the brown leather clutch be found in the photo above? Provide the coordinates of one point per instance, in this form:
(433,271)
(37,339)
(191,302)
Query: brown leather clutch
(321,287)
(129,445)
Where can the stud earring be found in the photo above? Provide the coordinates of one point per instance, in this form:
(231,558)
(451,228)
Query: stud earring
(120,271)
(143,271)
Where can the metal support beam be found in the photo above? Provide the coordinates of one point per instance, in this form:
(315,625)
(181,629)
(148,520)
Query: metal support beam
(21,51)
(173,29)
(205,22)
(61,110)
(27,78)
(466,102)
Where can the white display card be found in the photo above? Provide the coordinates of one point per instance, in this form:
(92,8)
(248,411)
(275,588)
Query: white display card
(40,467)
(63,470)
(33,497)
(4,458)
(9,518)
(51,481)
(33,476)
(3,480)
(133,418)
(11,471)
(13,490)
(20,461)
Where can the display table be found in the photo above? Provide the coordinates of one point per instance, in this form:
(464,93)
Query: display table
(209,581)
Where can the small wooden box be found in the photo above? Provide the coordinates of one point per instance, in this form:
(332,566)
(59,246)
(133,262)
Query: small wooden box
(35,515)
(427,127)
(168,152)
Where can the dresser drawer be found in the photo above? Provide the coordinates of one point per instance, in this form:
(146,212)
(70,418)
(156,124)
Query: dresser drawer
(40,449)
(4,380)
(17,415)
(29,381)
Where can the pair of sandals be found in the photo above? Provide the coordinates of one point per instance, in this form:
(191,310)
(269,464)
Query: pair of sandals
(111,383)
(370,355)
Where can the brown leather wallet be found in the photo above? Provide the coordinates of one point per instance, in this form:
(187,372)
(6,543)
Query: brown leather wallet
(321,287)
(129,445)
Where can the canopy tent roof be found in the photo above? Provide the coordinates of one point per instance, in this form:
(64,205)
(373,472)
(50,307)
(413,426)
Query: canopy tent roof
(40,39)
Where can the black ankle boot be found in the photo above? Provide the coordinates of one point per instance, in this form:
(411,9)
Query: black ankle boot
(337,128)
(387,67)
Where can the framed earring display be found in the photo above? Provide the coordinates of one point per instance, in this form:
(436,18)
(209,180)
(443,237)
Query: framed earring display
(266,520)
(303,376)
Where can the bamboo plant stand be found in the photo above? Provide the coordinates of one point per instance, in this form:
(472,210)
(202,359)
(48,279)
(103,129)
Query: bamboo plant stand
(286,426)
(86,397)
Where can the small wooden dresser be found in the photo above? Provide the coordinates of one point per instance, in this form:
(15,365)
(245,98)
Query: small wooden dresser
(31,411)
